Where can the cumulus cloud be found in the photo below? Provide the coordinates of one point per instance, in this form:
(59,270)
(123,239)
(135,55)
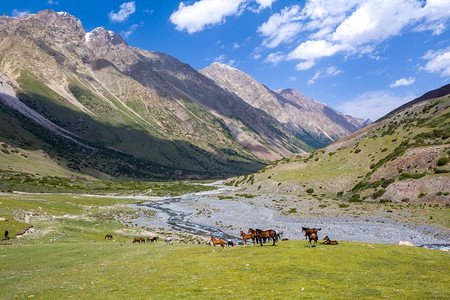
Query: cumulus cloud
(373,105)
(196,17)
(438,62)
(403,82)
(326,28)
(281,27)
(265,3)
(126,9)
(19,13)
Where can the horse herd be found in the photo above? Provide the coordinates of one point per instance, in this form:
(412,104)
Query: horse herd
(257,236)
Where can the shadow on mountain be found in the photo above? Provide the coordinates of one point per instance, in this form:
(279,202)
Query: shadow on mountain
(98,147)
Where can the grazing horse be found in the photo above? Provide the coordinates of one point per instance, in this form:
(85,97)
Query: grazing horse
(313,237)
(231,243)
(152,239)
(262,235)
(108,236)
(248,236)
(168,240)
(309,231)
(327,241)
(136,240)
(217,242)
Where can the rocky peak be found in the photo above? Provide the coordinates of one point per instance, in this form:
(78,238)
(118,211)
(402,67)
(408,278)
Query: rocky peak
(102,36)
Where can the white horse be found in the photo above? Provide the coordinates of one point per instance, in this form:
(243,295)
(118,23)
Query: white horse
(169,240)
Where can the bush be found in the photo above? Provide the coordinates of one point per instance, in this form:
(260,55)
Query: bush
(442,161)
(310,191)
(343,205)
(421,195)
(378,193)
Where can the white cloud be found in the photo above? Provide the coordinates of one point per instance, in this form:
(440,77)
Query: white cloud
(438,62)
(327,73)
(403,82)
(351,27)
(265,3)
(280,28)
(311,50)
(376,21)
(130,31)
(196,17)
(306,65)
(275,57)
(126,9)
(19,13)
(373,105)
(52,2)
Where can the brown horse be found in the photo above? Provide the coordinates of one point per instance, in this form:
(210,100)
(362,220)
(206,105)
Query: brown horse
(218,242)
(248,236)
(309,231)
(313,237)
(152,239)
(136,240)
(262,235)
(327,241)
(108,236)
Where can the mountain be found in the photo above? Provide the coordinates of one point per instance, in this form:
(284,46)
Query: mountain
(315,123)
(403,157)
(74,103)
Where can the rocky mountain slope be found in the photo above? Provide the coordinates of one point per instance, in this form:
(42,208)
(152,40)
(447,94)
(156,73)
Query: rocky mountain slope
(88,103)
(402,158)
(313,122)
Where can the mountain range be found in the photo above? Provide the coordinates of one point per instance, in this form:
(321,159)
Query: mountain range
(88,104)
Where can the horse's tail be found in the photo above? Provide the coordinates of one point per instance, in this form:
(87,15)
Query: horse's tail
(318,229)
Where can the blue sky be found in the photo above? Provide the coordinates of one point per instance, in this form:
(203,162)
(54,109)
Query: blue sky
(361,57)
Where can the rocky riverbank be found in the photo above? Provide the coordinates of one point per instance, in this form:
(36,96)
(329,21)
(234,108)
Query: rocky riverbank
(227,212)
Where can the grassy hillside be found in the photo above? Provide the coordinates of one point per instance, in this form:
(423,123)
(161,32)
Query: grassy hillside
(66,256)
(403,157)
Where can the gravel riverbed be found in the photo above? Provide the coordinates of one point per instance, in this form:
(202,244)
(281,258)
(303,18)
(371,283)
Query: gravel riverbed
(227,212)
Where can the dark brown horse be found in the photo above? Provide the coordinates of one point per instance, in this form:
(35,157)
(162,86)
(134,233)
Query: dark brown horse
(262,235)
(248,236)
(136,240)
(108,236)
(309,231)
(218,242)
(313,237)
(327,241)
(152,239)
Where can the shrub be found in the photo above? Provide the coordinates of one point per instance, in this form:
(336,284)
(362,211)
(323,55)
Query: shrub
(357,150)
(378,193)
(405,200)
(442,161)
(421,195)
(343,205)
(310,191)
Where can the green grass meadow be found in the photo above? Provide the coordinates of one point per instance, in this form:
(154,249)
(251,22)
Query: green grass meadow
(119,270)
(67,257)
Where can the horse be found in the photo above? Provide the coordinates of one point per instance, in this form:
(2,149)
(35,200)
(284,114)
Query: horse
(231,243)
(108,236)
(136,240)
(248,236)
(263,235)
(217,242)
(142,240)
(327,241)
(168,240)
(309,231)
(313,237)
(152,239)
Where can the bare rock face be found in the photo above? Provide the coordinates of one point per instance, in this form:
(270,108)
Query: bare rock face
(296,112)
